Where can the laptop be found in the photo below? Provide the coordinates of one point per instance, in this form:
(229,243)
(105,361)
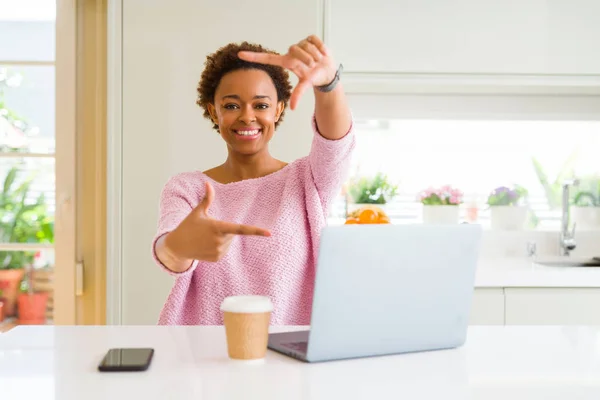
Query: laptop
(388,289)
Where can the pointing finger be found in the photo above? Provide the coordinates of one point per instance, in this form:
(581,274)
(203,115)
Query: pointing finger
(262,58)
(237,229)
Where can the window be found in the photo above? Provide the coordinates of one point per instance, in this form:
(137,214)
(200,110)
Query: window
(27,140)
(475,147)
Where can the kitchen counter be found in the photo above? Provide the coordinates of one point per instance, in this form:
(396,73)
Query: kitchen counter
(525,272)
(516,362)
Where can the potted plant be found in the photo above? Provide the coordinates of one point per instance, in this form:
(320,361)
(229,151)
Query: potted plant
(1,303)
(441,205)
(508,210)
(21,221)
(31,304)
(370,190)
(585,207)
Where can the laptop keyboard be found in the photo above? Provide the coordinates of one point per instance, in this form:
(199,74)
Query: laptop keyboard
(298,346)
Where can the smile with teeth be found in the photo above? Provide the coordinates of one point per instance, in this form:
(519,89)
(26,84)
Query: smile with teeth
(248,132)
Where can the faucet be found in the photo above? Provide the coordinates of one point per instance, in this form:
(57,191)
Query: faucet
(567,239)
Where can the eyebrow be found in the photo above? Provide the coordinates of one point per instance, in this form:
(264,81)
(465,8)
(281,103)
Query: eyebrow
(235,96)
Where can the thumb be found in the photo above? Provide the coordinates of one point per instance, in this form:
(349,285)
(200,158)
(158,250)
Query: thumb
(297,92)
(207,200)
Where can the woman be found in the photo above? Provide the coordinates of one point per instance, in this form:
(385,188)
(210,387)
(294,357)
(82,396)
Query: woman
(251,225)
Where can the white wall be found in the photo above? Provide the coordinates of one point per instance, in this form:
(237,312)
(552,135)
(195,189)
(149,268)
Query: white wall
(164,45)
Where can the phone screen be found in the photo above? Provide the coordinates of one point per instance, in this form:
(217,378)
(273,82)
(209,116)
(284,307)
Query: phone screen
(131,359)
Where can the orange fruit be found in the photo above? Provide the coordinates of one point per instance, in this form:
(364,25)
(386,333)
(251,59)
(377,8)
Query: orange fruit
(383,219)
(351,221)
(368,216)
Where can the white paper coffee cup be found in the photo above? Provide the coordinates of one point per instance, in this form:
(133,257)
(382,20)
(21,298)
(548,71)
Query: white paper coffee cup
(246,320)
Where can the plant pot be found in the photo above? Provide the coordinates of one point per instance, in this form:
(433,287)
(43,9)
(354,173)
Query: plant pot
(508,218)
(10,289)
(32,308)
(586,218)
(1,310)
(442,215)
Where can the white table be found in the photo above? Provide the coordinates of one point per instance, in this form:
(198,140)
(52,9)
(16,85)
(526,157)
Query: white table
(511,362)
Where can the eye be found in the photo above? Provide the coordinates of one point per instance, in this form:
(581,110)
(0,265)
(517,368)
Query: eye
(262,106)
(230,106)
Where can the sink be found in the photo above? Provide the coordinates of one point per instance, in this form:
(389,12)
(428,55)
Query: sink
(568,261)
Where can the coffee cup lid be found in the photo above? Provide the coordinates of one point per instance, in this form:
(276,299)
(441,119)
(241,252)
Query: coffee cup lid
(247,304)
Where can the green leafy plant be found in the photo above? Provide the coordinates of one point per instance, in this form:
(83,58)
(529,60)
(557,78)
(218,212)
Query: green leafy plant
(20,221)
(505,196)
(587,194)
(372,190)
(553,189)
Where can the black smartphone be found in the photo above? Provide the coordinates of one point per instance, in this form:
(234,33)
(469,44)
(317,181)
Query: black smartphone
(130,359)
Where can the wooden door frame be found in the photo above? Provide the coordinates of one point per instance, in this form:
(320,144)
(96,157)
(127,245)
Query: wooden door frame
(66,163)
(91,158)
(114,162)
(81,98)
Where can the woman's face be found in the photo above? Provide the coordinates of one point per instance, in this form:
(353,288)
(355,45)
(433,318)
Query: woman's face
(246,109)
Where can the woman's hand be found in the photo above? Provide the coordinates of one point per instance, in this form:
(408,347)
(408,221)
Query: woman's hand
(309,59)
(199,237)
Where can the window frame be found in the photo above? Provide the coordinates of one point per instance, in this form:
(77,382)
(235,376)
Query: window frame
(405,208)
(394,101)
(4,155)
(65,161)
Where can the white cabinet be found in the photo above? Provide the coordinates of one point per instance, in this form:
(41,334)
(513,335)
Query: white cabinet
(487,307)
(465,36)
(528,47)
(552,306)
(535,306)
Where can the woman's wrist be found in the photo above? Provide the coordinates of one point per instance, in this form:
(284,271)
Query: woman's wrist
(168,257)
(331,81)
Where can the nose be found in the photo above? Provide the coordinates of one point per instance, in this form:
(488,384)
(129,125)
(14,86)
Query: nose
(247,115)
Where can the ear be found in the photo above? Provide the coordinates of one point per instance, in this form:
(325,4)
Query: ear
(213,113)
(280,107)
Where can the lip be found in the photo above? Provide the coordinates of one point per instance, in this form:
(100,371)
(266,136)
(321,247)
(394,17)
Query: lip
(252,137)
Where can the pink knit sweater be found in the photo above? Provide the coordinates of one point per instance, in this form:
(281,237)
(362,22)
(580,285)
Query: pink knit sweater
(292,203)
